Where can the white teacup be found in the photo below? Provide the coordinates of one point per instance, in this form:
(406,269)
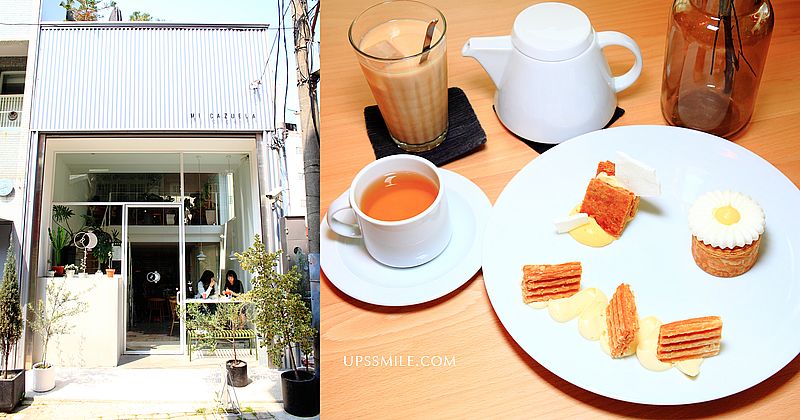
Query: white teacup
(402,243)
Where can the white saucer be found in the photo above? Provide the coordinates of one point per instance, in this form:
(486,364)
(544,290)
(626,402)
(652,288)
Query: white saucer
(353,271)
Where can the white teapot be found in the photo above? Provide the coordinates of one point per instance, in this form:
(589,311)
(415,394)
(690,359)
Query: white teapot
(553,81)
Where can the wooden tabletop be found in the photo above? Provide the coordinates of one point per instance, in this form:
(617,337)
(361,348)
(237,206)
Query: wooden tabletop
(493,376)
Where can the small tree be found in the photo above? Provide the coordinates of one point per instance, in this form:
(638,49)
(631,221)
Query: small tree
(51,319)
(281,316)
(85,10)
(10,310)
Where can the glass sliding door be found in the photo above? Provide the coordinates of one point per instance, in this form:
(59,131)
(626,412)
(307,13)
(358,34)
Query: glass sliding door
(155,277)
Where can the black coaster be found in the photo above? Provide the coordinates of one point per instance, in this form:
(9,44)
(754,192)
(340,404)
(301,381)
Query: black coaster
(464,132)
(543,147)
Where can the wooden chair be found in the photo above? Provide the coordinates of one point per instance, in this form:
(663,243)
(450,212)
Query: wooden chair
(173,307)
(155,308)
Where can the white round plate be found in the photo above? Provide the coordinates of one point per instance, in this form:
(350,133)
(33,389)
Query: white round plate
(760,310)
(353,271)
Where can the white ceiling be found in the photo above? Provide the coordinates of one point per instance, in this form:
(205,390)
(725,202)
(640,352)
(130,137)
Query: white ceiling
(150,162)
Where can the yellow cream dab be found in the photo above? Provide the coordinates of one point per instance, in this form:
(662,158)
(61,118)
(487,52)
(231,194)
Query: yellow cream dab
(727,215)
(647,344)
(590,234)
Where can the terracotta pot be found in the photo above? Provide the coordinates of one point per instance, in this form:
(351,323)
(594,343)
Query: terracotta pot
(59,269)
(110,272)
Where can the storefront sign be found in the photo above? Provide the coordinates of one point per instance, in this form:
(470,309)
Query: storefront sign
(224,116)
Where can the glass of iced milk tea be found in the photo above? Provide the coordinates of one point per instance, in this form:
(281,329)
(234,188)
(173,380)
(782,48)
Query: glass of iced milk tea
(409,85)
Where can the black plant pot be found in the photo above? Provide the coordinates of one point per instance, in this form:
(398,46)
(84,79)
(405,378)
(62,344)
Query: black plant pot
(237,375)
(12,390)
(300,397)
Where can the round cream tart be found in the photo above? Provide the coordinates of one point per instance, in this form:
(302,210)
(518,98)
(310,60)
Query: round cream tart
(726,229)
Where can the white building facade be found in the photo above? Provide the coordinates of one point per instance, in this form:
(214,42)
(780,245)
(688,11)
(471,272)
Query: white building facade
(18,34)
(157,137)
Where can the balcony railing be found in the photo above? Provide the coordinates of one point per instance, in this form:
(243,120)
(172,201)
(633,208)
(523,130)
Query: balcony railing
(10,110)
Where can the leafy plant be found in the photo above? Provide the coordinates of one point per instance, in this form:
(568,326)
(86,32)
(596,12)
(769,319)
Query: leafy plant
(59,239)
(207,196)
(10,308)
(61,216)
(281,316)
(63,233)
(105,240)
(51,319)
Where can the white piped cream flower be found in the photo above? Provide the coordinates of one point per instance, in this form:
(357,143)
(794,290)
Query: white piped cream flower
(726,219)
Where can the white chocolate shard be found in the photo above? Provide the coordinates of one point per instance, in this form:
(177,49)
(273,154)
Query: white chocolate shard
(637,177)
(566,224)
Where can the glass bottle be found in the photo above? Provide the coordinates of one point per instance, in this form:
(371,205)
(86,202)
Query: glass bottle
(713,63)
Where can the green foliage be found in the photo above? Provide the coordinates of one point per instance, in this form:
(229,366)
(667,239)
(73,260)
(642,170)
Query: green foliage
(227,316)
(140,17)
(105,240)
(52,319)
(61,216)
(62,236)
(59,239)
(85,10)
(281,316)
(10,308)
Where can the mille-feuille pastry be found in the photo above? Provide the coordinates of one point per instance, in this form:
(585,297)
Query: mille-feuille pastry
(550,281)
(607,167)
(689,339)
(622,320)
(726,231)
(609,203)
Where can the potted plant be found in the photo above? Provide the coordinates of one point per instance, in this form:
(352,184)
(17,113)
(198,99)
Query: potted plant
(60,235)
(207,198)
(105,240)
(70,269)
(50,319)
(109,269)
(227,316)
(12,382)
(284,321)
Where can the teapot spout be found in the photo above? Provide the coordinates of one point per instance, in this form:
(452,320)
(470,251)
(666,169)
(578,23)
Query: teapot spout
(491,52)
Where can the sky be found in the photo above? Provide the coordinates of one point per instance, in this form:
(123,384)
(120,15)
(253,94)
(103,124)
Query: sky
(207,11)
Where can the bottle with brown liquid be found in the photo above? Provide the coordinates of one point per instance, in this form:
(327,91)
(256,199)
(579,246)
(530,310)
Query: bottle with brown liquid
(716,50)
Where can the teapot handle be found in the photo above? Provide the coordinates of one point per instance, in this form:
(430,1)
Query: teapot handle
(606,38)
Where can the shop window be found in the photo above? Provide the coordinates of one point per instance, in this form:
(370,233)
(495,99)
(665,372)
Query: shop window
(12,83)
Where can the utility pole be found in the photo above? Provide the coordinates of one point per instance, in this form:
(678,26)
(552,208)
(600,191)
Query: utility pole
(309,123)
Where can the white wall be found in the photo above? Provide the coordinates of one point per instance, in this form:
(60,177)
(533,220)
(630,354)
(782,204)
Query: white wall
(295,173)
(18,11)
(17,38)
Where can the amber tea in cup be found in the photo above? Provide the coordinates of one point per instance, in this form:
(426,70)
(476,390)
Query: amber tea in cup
(398,206)
(398,196)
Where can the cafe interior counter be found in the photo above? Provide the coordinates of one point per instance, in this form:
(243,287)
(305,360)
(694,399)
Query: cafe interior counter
(96,338)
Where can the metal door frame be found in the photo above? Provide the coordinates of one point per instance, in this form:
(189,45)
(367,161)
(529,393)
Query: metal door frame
(181,271)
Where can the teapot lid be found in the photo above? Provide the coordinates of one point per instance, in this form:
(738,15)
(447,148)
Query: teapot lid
(552,32)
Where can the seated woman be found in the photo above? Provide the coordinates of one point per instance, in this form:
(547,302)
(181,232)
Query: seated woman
(233,287)
(205,286)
